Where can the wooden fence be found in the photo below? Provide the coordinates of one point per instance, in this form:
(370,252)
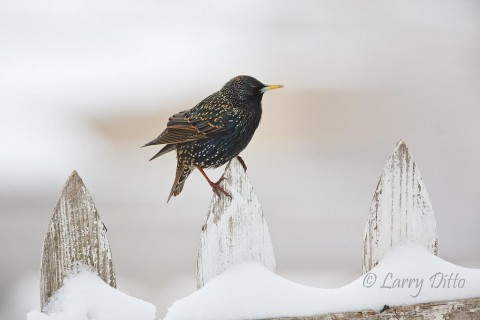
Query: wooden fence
(235,230)
(75,236)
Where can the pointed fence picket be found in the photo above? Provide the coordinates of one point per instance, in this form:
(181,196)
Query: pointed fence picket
(75,235)
(235,230)
(400,210)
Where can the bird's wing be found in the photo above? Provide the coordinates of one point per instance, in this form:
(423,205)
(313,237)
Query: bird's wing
(205,120)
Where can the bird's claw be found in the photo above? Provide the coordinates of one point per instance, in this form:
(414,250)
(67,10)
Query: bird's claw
(215,185)
(220,180)
(217,189)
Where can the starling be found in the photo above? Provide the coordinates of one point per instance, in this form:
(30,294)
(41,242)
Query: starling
(214,131)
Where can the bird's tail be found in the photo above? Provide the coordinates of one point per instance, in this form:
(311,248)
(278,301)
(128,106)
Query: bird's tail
(166,149)
(183,171)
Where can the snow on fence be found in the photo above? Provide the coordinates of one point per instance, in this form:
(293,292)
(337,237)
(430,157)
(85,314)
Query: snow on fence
(235,230)
(77,277)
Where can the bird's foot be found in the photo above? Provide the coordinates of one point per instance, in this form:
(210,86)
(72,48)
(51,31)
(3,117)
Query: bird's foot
(215,185)
(217,189)
(242,163)
(221,179)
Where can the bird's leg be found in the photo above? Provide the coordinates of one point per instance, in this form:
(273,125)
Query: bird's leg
(221,178)
(242,163)
(215,185)
(223,174)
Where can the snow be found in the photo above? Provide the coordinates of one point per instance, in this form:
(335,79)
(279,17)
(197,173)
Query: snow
(85,296)
(408,274)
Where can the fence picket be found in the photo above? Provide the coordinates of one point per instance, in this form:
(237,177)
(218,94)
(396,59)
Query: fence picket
(75,234)
(235,229)
(400,210)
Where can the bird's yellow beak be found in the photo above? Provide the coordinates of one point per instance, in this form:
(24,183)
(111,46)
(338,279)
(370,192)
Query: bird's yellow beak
(271,87)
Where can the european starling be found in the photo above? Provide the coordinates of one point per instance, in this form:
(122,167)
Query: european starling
(214,131)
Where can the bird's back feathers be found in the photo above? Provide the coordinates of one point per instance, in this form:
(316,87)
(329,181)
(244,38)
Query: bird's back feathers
(207,119)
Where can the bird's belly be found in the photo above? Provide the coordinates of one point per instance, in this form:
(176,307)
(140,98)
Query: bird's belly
(213,152)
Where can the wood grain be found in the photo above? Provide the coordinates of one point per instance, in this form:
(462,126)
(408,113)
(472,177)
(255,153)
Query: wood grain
(76,236)
(235,229)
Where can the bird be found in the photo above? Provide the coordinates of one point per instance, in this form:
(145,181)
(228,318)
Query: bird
(214,131)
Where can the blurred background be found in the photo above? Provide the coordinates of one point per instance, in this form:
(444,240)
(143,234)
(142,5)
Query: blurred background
(84,83)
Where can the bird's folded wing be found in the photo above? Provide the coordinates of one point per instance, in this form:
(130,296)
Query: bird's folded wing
(198,123)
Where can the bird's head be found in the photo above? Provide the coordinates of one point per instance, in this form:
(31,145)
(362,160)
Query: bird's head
(246,89)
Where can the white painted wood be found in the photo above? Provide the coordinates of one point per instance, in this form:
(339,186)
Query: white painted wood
(235,229)
(400,210)
(75,235)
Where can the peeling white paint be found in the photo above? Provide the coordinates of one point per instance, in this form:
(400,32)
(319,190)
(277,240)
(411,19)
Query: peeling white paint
(75,235)
(235,229)
(400,210)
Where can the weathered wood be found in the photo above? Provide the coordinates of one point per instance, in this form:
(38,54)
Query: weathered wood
(468,309)
(75,235)
(400,210)
(235,229)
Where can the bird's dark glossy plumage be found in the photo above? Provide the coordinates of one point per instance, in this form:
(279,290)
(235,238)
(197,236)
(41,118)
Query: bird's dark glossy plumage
(214,131)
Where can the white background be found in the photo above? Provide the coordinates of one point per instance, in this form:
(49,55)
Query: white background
(83,84)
